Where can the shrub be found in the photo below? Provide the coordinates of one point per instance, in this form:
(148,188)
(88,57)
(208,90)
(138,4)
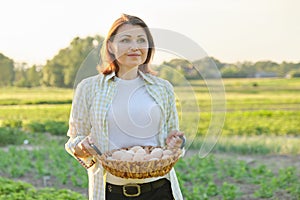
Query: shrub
(295,74)
(56,127)
(12,123)
(10,190)
(10,136)
(53,127)
(35,127)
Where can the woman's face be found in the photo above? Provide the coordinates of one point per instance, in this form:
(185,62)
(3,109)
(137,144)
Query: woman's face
(130,46)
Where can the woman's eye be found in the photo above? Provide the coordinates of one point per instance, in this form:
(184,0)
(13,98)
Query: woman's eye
(141,40)
(124,40)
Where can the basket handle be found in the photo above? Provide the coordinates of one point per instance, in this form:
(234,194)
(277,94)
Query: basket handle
(183,141)
(95,148)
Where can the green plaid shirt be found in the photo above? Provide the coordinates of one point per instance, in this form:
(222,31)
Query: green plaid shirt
(93,98)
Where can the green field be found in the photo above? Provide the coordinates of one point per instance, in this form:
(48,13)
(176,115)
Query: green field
(262,120)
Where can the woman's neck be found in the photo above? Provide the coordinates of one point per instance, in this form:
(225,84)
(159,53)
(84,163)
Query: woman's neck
(128,74)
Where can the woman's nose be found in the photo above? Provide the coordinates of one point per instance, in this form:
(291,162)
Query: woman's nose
(133,49)
(134,46)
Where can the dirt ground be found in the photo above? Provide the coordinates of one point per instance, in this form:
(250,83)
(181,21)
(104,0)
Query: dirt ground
(273,162)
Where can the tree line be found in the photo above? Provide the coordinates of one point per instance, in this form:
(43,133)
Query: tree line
(208,66)
(61,70)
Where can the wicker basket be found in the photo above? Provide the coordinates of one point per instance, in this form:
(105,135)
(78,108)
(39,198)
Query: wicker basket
(139,169)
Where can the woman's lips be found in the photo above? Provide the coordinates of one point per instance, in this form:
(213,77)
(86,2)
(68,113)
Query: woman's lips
(133,54)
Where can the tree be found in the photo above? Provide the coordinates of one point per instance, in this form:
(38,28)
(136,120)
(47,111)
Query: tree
(21,77)
(286,68)
(230,71)
(266,66)
(55,76)
(7,71)
(207,67)
(172,74)
(184,67)
(218,63)
(33,76)
(62,69)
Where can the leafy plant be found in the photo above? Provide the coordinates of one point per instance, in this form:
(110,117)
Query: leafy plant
(10,190)
(10,136)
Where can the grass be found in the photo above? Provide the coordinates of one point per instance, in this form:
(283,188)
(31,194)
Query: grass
(27,113)
(262,118)
(271,108)
(40,95)
(251,145)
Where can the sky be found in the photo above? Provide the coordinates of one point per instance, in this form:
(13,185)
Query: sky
(33,31)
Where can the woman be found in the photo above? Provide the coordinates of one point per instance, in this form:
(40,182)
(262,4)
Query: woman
(123,106)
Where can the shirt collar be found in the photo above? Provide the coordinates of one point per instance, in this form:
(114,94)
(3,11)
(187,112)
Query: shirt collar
(145,76)
(109,76)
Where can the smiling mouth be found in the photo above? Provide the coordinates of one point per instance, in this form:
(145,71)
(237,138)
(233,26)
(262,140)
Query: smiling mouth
(133,55)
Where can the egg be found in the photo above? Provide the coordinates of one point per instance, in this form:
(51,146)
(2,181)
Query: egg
(156,149)
(139,154)
(165,157)
(141,151)
(136,148)
(152,159)
(138,157)
(130,151)
(127,157)
(147,157)
(167,152)
(157,153)
(117,155)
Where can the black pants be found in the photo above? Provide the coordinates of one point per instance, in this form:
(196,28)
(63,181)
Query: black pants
(162,193)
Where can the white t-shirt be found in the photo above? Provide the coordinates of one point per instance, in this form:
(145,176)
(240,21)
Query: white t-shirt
(134,116)
(133,119)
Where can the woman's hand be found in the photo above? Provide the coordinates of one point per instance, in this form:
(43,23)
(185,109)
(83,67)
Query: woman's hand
(83,148)
(174,139)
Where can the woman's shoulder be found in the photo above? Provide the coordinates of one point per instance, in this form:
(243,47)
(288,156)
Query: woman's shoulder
(159,81)
(90,81)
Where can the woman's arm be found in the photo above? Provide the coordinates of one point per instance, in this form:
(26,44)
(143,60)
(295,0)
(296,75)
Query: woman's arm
(175,137)
(79,125)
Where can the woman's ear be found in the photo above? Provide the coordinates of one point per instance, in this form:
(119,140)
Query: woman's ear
(110,47)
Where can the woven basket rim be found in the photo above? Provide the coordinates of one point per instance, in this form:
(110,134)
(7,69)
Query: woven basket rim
(140,169)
